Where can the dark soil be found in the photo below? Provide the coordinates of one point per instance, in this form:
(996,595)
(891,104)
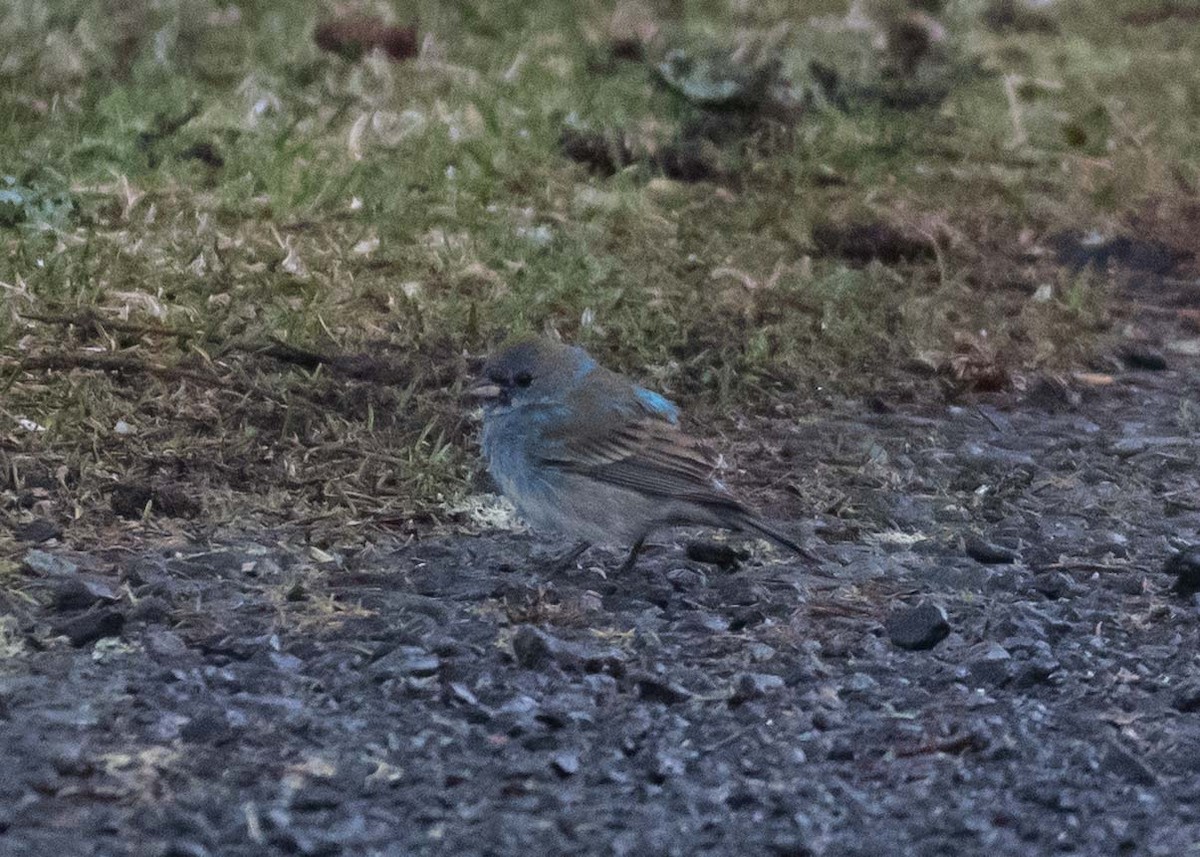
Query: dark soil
(992,658)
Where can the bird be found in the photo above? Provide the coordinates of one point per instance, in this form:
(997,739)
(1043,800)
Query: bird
(584,452)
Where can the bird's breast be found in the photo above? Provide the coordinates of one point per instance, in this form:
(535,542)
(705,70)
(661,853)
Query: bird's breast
(511,443)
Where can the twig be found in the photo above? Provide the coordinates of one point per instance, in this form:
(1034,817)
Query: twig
(1086,565)
(116,363)
(91,319)
(955,744)
(728,739)
(130,365)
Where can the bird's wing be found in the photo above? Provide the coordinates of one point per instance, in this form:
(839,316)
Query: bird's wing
(633,443)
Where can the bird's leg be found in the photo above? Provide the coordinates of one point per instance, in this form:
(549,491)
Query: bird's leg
(563,561)
(633,555)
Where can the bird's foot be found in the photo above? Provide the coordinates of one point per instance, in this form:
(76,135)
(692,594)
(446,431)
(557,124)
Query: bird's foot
(631,560)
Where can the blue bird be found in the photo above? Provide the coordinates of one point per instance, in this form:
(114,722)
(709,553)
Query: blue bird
(585,452)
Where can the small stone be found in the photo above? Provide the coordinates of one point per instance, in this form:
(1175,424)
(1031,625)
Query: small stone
(760,652)
(841,750)
(918,628)
(91,626)
(150,609)
(785,845)
(1140,356)
(535,649)
(565,764)
(164,644)
(987,552)
(687,579)
(861,683)
(666,766)
(75,593)
(1054,585)
(462,693)
(993,667)
(1126,584)
(404,661)
(37,531)
(711,553)
(1187,698)
(286,662)
(655,689)
(1036,671)
(1127,447)
(1185,566)
(209,727)
(532,648)
(1127,766)
(749,686)
(42,563)
(317,796)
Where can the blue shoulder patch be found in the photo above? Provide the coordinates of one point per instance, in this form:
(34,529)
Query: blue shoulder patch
(658,404)
(584,363)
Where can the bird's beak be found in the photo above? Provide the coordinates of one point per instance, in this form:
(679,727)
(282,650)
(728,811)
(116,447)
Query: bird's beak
(484,390)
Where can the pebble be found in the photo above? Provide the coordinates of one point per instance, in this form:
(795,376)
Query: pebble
(48,564)
(208,727)
(761,652)
(91,627)
(918,628)
(711,553)
(1140,356)
(749,686)
(403,662)
(565,764)
(164,644)
(841,750)
(150,609)
(861,683)
(1053,585)
(988,552)
(1187,698)
(687,579)
(667,766)
(77,593)
(655,689)
(992,667)
(535,649)
(1185,566)
(37,531)
(1036,671)
(1127,766)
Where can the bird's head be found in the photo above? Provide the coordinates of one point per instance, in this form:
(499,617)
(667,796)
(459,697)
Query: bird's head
(530,370)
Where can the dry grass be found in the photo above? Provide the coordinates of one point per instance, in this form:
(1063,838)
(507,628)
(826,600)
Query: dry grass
(245,277)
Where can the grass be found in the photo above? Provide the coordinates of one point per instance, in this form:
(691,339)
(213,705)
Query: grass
(229,185)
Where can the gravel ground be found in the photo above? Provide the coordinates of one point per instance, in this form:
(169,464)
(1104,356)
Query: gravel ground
(990,658)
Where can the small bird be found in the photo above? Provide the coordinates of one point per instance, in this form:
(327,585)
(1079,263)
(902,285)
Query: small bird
(585,452)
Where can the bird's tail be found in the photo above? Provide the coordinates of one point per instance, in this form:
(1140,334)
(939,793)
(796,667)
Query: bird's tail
(747,521)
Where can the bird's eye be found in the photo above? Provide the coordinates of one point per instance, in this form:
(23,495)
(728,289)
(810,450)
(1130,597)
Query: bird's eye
(522,379)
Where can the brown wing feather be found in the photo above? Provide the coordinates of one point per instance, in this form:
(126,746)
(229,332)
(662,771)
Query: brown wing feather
(626,443)
(647,455)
